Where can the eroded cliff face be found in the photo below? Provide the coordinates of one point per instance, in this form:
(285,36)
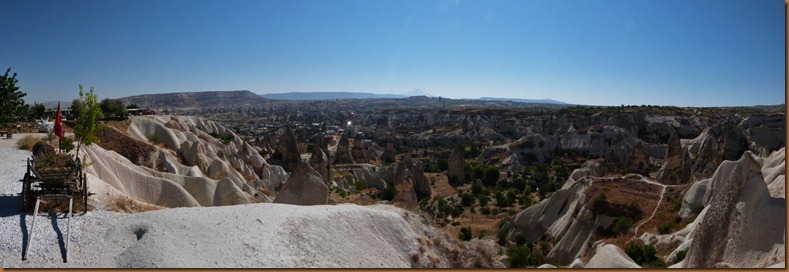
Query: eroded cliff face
(177,162)
(743,225)
(740,216)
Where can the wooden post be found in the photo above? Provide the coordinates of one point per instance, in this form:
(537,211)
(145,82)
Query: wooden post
(32,227)
(68,225)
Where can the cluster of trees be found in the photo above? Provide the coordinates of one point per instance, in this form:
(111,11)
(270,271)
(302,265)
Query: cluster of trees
(14,109)
(644,255)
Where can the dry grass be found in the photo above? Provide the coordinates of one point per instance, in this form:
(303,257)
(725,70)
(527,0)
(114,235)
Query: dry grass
(441,188)
(28,142)
(128,205)
(61,206)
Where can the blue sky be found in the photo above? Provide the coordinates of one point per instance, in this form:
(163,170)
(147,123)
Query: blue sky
(683,53)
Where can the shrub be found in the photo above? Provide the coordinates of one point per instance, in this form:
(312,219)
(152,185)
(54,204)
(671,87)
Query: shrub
(502,200)
(485,211)
(501,236)
(677,205)
(666,227)
(643,255)
(483,200)
(467,199)
(622,225)
(359,184)
(522,256)
(680,255)
(476,189)
(224,137)
(465,234)
(154,139)
(518,256)
(388,193)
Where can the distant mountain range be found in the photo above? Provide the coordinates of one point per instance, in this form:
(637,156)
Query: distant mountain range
(327,95)
(542,101)
(415,92)
(241,98)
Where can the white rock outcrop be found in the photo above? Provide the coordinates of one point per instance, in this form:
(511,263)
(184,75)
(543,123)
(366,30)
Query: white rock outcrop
(744,226)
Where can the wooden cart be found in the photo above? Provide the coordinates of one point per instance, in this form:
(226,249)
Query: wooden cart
(58,184)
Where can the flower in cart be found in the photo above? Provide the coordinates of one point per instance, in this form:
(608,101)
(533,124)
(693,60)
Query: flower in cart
(54,162)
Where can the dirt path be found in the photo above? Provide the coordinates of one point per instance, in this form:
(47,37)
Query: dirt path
(662,195)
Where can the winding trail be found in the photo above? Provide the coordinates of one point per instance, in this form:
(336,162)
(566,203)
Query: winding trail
(662,195)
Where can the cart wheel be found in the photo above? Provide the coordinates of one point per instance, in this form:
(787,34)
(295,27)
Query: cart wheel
(26,193)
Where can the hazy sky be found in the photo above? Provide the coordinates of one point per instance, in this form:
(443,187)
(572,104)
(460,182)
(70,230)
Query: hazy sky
(684,53)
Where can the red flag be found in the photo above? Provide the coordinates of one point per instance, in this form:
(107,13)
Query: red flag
(58,125)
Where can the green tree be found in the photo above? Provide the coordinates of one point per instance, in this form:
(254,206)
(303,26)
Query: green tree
(38,110)
(491,176)
(76,107)
(12,106)
(85,124)
(113,109)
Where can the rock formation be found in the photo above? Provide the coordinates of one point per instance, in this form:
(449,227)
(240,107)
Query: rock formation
(610,256)
(421,183)
(638,162)
(455,172)
(404,188)
(743,225)
(301,141)
(676,167)
(320,163)
(389,153)
(287,153)
(343,155)
(357,151)
(305,186)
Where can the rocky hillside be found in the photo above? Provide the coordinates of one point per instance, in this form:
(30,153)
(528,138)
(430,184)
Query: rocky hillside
(218,99)
(540,187)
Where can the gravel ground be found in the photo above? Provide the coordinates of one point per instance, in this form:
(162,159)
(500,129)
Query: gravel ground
(48,248)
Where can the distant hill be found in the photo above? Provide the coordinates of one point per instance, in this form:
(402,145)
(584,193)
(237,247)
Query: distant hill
(417,92)
(327,95)
(543,101)
(195,99)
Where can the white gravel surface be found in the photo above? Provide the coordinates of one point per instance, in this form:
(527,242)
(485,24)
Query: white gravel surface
(47,249)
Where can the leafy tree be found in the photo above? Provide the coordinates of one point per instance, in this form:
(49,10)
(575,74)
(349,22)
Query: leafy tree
(85,124)
(467,199)
(113,109)
(38,110)
(502,200)
(76,107)
(476,189)
(491,176)
(12,106)
(456,212)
